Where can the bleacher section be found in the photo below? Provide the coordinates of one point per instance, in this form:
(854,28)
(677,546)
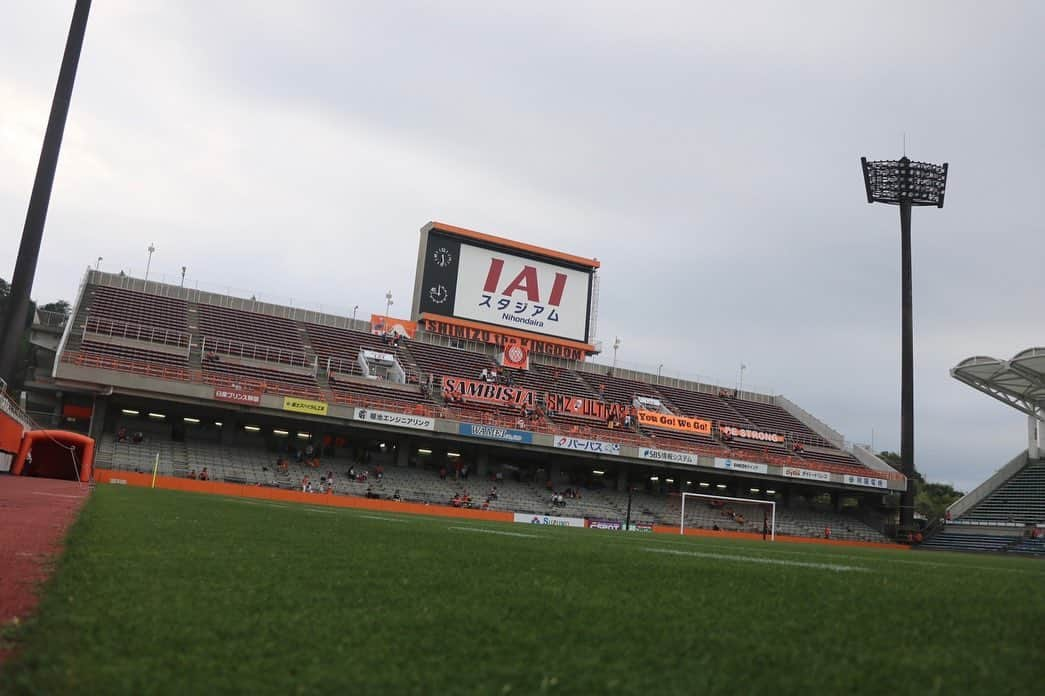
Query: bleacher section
(250,462)
(205,341)
(1021,499)
(961,541)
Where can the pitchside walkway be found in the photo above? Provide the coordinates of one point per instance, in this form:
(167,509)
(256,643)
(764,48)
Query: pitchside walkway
(35,514)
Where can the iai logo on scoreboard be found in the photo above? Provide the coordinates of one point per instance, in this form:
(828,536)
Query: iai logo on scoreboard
(508,290)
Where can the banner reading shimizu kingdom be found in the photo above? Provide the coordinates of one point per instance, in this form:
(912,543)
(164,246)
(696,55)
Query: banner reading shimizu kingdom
(293,403)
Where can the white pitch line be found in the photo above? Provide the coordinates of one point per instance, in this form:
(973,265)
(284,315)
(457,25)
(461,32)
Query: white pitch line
(257,502)
(752,559)
(325,512)
(494,531)
(58,495)
(384,519)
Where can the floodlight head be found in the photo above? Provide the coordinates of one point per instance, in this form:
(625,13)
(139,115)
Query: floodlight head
(903,181)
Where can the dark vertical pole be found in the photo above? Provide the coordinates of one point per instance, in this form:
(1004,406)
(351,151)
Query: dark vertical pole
(32,234)
(627,521)
(906,372)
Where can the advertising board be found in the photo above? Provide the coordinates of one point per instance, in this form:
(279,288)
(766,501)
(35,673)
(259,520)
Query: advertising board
(552,521)
(494,432)
(503,283)
(590,446)
(398,420)
(293,403)
(869,481)
(740,465)
(237,396)
(810,474)
(668,456)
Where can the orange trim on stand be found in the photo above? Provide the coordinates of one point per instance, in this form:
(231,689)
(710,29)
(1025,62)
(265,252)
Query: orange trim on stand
(511,244)
(512,333)
(238,490)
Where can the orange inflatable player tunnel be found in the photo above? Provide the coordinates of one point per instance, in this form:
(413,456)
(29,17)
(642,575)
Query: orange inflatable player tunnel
(55,454)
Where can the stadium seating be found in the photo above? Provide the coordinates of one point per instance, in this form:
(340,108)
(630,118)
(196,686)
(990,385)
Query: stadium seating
(144,333)
(1018,500)
(961,541)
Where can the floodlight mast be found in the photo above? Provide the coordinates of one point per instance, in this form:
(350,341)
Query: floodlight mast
(905,184)
(13,325)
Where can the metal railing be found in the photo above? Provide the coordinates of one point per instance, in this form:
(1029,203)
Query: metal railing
(253,351)
(137,332)
(49,319)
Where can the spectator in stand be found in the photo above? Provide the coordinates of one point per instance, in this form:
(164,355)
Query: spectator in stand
(304,484)
(442,473)
(192,474)
(396,497)
(627,420)
(204,476)
(827,532)
(464,471)
(798,448)
(484,375)
(379,471)
(138,437)
(492,495)
(493,375)
(121,434)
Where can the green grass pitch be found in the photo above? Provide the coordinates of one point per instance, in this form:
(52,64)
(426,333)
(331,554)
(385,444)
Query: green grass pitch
(167,592)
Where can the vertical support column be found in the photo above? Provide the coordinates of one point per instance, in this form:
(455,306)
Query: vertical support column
(405,446)
(906,371)
(622,478)
(1033,438)
(555,473)
(98,414)
(482,463)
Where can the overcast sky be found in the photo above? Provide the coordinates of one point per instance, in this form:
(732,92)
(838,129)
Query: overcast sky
(706,153)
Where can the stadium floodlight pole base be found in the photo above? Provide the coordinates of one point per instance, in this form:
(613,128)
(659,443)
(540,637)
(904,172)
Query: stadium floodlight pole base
(770,503)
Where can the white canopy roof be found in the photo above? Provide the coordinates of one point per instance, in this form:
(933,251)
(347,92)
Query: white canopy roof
(1019,382)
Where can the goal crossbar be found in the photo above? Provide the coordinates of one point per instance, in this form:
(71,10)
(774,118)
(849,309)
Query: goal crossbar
(770,503)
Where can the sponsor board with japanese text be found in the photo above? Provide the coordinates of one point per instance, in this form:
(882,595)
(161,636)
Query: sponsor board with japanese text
(550,520)
(740,465)
(398,420)
(669,421)
(659,455)
(494,432)
(316,408)
(237,396)
(591,446)
(869,481)
(809,474)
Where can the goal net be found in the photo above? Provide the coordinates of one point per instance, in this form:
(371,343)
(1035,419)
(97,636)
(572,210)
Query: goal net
(707,511)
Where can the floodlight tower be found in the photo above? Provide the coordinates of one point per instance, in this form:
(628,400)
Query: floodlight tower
(905,184)
(13,325)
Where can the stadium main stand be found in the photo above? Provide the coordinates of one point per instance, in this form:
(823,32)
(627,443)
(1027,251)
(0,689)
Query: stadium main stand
(232,384)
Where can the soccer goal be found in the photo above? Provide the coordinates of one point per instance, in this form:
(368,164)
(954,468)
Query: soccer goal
(711,507)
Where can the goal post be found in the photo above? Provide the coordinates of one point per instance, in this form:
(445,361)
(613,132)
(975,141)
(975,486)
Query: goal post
(771,504)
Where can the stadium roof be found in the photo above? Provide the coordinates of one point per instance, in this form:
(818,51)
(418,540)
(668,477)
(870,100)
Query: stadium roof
(1019,382)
